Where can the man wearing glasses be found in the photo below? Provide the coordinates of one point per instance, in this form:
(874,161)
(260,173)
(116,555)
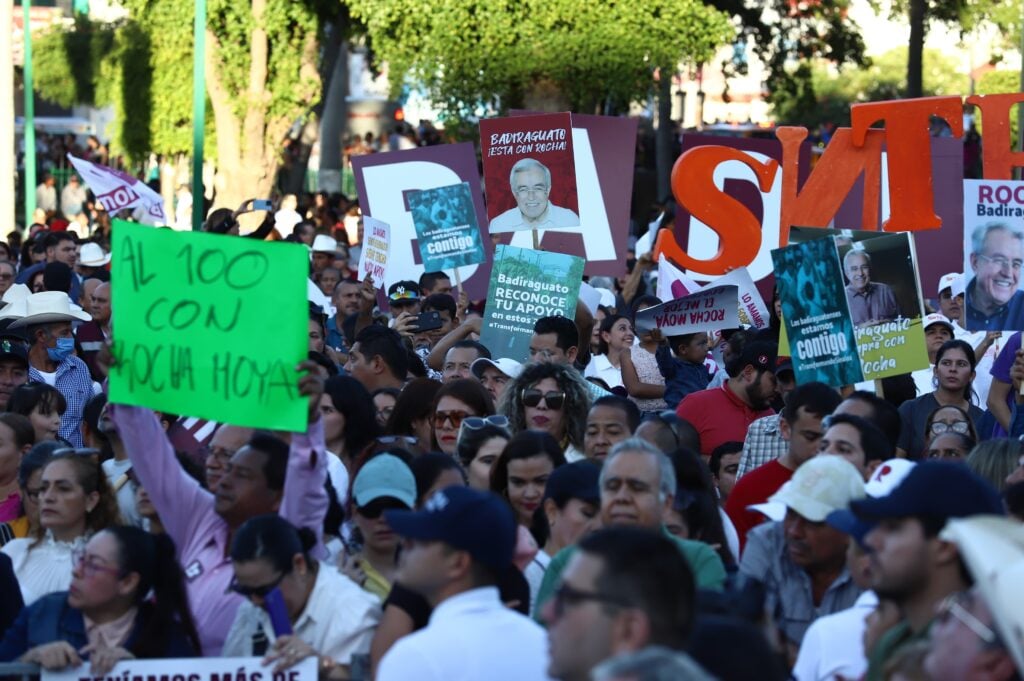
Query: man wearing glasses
(993,299)
(531,186)
(610,603)
(976,634)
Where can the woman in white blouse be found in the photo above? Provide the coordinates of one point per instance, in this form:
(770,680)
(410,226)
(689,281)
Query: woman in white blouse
(75,502)
(616,335)
(331,618)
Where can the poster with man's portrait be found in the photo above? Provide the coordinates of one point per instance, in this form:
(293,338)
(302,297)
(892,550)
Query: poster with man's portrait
(529,172)
(993,255)
(879,279)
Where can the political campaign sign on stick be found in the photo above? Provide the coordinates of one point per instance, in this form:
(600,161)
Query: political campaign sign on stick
(993,255)
(603,148)
(191,669)
(384,182)
(809,278)
(883,294)
(210,325)
(118,191)
(525,286)
(707,310)
(529,172)
(373,257)
(446,227)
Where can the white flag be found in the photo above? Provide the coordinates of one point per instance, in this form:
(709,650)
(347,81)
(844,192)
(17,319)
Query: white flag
(118,191)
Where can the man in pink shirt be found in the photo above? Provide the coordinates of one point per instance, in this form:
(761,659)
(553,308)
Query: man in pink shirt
(265,476)
(723,414)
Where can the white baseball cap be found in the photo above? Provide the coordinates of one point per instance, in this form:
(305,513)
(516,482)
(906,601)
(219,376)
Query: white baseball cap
(959,286)
(509,367)
(935,318)
(946,281)
(824,484)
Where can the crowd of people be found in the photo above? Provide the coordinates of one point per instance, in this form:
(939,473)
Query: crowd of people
(616,506)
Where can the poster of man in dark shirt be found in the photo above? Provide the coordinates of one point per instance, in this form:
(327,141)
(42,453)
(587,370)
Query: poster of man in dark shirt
(871,302)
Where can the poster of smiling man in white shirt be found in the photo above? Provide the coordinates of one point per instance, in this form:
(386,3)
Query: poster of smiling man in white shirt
(531,185)
(534,156)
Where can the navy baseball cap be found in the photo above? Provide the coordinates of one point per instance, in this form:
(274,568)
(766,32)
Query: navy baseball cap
(466,519)
(576,480)
(763,355)
(939,489)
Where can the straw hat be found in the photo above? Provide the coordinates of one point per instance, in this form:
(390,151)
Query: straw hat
(45,308)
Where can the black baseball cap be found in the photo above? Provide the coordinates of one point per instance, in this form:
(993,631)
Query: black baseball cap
(403,292)
(480,523)
(577,480)
(762,355)
(938,489)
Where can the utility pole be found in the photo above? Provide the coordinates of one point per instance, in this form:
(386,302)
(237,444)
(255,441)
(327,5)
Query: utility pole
(198,112)
(8,152)
(30,117)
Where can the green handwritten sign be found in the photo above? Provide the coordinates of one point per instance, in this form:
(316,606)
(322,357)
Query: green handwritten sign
(209,325)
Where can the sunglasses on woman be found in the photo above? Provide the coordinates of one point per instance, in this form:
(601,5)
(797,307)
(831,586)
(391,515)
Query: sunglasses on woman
(554,399)
(478,422)
(376,508)
(257,591)
(456,418)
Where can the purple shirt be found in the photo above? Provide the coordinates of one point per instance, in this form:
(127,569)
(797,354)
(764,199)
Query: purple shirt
(200,535)
(1001,371)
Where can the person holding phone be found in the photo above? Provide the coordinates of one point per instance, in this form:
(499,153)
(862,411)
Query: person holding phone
(295,607)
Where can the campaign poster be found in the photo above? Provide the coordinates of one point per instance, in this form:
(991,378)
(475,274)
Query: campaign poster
(384,183)
(709,309)
(446,229)
(603,148)
(187,309)
(883,293)
(525,286)
(529,172)
(373,257)
(821,337)
(993,254)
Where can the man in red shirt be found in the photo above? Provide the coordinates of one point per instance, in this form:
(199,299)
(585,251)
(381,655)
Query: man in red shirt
(801,427)
(723,414)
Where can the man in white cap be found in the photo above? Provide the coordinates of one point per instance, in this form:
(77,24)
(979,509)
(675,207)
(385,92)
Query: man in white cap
(46,318)
(495,374)
(977,633)
(986,344)
(324,248)
(91,258)
(937,330)
(801,560)
(832,646)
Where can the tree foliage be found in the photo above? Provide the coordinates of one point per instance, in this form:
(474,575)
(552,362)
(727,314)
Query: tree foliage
(787,32)
(261,74)
(830,93)
(471,54)
(997,83)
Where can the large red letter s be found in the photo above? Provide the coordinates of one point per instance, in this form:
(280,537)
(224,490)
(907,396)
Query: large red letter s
(739,231)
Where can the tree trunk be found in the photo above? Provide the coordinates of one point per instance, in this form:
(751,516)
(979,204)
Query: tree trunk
(249,150)
(915,56)
(332,121)
(663,136)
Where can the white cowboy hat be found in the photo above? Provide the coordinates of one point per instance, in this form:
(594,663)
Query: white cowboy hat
(324,244)
(45,308)
(992,547)
(16,292)
(93,255)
